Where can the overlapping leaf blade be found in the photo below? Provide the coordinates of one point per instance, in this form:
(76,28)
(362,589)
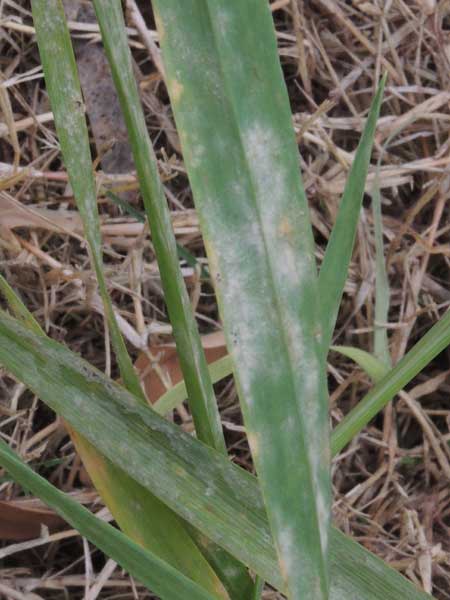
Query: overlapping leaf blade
(192,359)
(429,346)
(201,397)
(149,569)
(142,516)
(197,482)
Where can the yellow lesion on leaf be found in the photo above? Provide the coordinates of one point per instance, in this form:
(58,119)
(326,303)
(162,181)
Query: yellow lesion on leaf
(285,228)
(283,568)
(176,90)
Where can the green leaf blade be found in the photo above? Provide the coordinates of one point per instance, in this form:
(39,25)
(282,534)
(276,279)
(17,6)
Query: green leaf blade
(192,359)
(254,218)
(64,92)
(373,366)
(382,292)
(159,576)
(200,484)
(427,348)
(333,272)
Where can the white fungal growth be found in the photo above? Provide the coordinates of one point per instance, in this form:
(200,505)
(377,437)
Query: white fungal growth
(223,21)
(288,551)
(323,512)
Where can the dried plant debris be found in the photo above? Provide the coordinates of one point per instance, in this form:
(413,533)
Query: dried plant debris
(391,485)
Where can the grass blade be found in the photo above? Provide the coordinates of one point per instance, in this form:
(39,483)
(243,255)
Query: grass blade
(372,365)
(150,570)
(381,345)
(202,400)
(429,346)
(141,515)
(201,397)
(147,520)
(333,272)
(197,482)
(140,217)
(178,393)
(18,307)
(254,218)
(64,91)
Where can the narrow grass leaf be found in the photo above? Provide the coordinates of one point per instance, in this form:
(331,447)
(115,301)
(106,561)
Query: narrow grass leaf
(183,253)
(201,397)
(63,86)
(381,344)
(429,346)
(18,308)
(149,569)
(232,113)
(178,393)
(373,366)
(202,400)
(200,484)
(333,272)
(259,588)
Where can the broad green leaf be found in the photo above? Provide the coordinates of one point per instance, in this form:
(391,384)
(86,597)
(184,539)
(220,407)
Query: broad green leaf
(202,400)
(148,568)
(141,515)
(333,272)
(233,117)
(429,346)
(373,366)
(200,484)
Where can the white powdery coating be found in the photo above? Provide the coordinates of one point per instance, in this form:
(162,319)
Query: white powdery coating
(197,151)
(247,334)
(290,270)
(323,515)
(223,21)
(288,550)
(291,563)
